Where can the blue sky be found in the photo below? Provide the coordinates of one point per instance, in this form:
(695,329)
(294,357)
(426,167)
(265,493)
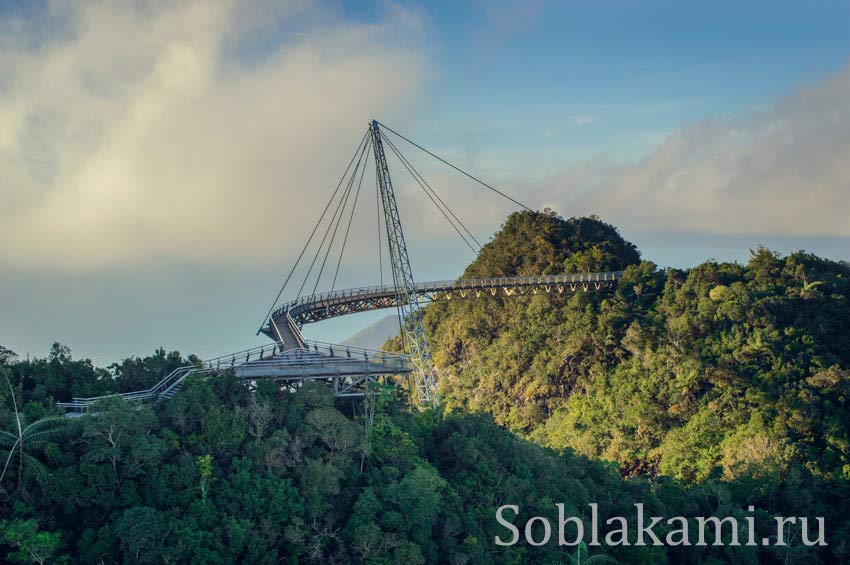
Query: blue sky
(163,162)
(551,82)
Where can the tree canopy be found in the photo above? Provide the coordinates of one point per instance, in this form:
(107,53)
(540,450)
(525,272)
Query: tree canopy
(696,392)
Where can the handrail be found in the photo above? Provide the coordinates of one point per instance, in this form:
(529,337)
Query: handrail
(312,348)
(315,351)
(531,280)
(177,376)
(151,390)
(258,352)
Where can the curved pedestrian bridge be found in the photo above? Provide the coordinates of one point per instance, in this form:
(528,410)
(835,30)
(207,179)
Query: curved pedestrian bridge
(348,370)
(284,321)
(318,307)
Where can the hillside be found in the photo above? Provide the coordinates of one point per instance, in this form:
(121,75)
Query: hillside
(723,370)
(219,475)
(695,393)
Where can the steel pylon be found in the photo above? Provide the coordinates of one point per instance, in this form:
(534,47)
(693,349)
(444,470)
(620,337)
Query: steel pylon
(409,307)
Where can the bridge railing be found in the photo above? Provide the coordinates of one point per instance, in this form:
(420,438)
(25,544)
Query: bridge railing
(269,355)
(273,353)
(240,357)
(347,293)
(307,357)
(170,381)
(345,352)
(343,295)
(571,278)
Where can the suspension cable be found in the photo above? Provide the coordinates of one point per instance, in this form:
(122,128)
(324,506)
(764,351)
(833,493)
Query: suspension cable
(339,210)
(427,186)
(322,243)
(475,251)
(379,216)
(312,233)
(341,206)
(351,217)
(458,169)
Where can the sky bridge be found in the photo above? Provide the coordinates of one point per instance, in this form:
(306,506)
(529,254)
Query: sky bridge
(318,307)
(348,370)
(291,359)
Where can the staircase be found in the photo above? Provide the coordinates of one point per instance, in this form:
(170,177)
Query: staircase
(342,366)
(166,388)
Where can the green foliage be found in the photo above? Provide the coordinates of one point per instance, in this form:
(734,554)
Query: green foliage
(205,472)
(535,243)
(124,485)
(696,392)
(581,556)
(725,370)
(22,439)
(29,545)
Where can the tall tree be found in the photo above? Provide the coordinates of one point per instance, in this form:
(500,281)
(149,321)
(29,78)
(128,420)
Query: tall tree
(23,439)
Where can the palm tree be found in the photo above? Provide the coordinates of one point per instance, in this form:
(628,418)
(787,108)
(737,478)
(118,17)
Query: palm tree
(582,557)
(24,438)
(806,291)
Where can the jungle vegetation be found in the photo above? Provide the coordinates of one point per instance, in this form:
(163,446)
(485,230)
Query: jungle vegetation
(721,371)
(697,392)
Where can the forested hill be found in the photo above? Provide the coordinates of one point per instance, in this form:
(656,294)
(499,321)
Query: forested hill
(696,393)
(543,243)
(723,370)
(222,475)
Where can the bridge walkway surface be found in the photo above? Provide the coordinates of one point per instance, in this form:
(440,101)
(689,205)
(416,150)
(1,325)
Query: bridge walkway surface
(349,370)
(318,307)
(292,359)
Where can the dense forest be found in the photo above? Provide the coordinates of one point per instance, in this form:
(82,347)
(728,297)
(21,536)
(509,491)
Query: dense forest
(724,370)
(696,393)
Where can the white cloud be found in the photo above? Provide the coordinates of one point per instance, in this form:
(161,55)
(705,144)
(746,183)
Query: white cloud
(161,131)
(781,170)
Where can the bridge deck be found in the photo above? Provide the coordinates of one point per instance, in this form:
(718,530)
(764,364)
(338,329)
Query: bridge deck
(348,369)
(319,307)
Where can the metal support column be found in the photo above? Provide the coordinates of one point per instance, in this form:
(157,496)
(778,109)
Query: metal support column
(413,330)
